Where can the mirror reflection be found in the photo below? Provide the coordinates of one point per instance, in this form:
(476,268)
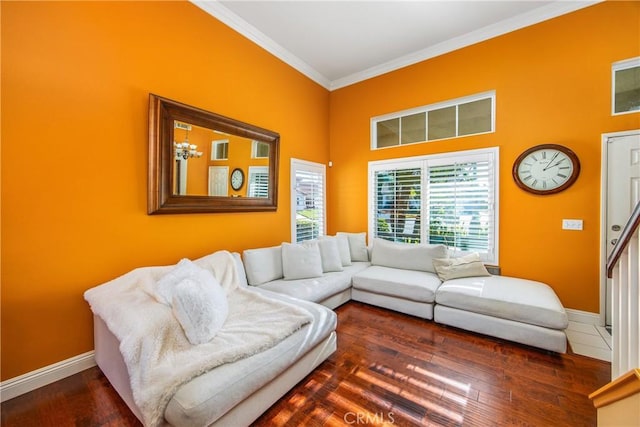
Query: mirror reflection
(214,163)
(202,162)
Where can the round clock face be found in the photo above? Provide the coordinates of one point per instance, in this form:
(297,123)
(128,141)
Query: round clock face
(546,169)
(237,179)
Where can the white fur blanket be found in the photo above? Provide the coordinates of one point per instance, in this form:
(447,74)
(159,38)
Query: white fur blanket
(159,357)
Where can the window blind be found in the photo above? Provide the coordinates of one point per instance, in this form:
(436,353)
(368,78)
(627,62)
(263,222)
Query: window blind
(398,204)
(439,199)
(258,182)
(309,205)
(460,204)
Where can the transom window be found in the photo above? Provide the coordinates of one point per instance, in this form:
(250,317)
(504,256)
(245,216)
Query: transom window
(220,149)
(259,150)
(470,115)
(447,198)
(626,86)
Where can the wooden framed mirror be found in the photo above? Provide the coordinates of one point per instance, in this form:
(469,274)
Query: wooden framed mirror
(203,162)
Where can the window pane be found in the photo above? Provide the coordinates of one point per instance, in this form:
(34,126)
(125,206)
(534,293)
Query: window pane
(442,123)
(627,90)
(398,204)
(388,133)
(220,150)
(474,117)
(260,150)
(309,208)
(414,128)
(258,182)
(459,206)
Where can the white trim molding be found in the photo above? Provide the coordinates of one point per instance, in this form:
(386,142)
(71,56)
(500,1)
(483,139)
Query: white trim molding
(41,377)
(585,317)
(546,12)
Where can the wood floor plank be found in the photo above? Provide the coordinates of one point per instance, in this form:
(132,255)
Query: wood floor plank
(389,369)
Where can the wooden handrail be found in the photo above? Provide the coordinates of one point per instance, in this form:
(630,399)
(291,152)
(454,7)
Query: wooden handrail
(628,231)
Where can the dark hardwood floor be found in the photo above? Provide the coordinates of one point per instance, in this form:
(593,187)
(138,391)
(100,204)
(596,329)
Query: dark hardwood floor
(389,369)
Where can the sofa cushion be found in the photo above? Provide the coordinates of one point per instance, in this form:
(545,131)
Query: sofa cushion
(317,289)
(301,260)
(330,255)
(407,256)
(505,297)
(357,245)
(263,265)
(343,248)
(409,284)
(456,268)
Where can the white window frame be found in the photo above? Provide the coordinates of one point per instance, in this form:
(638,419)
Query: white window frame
(254,149)
(492,257)
(619,66)
(437,106)
(214,149)
(307,166)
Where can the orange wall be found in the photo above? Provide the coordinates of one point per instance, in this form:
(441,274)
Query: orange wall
(76,77)
(75,83)
(552,84)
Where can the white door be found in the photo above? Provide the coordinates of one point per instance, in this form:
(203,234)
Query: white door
(623,192)
(219,181)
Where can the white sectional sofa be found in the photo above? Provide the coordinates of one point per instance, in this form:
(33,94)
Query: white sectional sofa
(144,344)
(419,280)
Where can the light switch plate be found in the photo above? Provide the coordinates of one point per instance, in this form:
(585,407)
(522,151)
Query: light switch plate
(572,224)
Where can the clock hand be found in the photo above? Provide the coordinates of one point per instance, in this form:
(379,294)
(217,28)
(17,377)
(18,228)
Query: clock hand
(551,161)
(557,163)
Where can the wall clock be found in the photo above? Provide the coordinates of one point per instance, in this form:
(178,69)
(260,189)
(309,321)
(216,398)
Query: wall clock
(237,179)
(546,169)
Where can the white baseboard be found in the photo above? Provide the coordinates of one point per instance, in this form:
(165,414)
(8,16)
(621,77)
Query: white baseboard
(35,379)
(583,316)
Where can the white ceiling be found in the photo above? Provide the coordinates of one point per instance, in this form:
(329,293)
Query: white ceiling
(338,43)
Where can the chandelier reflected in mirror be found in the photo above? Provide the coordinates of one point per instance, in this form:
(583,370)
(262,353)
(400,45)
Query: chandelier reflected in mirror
(184,150)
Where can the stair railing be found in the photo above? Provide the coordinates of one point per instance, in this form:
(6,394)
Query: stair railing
(623,269)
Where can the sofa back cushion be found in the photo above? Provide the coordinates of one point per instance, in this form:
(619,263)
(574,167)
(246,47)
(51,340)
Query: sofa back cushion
(406,256)
(343,248)
(330,254)
(301,260)
(357,245)
(263,265)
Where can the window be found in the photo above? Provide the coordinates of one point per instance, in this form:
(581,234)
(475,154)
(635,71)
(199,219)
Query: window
(626,86)
(447,198)
(258,181)
(307,200)
(259,150)
(220,149)
(470,115)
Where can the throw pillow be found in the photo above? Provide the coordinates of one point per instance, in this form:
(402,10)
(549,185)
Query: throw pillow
(464,266)
(330,255)
(406,256)
(357,245)
(343,248)
(201,309)
(164,288)
(263,265)
(301,261)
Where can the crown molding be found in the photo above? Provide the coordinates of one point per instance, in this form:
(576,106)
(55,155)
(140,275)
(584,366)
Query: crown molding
(552,10)
(535,16)
(227,17)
